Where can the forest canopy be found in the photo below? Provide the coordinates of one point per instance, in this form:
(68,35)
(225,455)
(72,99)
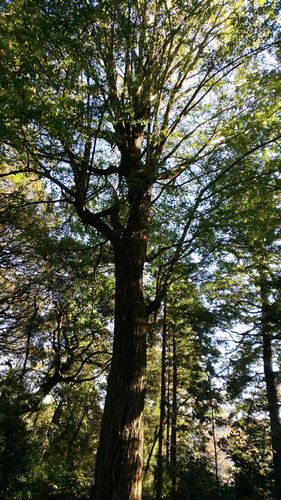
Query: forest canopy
(140,249)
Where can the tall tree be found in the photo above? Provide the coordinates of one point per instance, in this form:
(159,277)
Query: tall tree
(140,110)
(252,255)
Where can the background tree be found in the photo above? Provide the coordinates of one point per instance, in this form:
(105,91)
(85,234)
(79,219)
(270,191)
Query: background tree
(250,270)
(55,341)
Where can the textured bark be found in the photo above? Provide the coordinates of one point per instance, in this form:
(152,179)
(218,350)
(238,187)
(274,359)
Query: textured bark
(118,472)
(271,389)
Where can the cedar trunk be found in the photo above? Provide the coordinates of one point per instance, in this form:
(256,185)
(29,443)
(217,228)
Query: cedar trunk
(118,473)
(119,463)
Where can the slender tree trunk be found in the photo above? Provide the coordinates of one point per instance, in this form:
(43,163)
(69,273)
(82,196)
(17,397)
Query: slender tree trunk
(159,471)
(215,443)
(118,473)
(174,418)
(273,407)
(74,437)
(271,389)
(155,439)
(168,437)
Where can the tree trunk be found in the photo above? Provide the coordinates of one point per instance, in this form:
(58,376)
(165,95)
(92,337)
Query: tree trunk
(271,389)
(159,470)
(273,407)
(168,438)
(174,418)
(214,441)
(150,455)
(118,473)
